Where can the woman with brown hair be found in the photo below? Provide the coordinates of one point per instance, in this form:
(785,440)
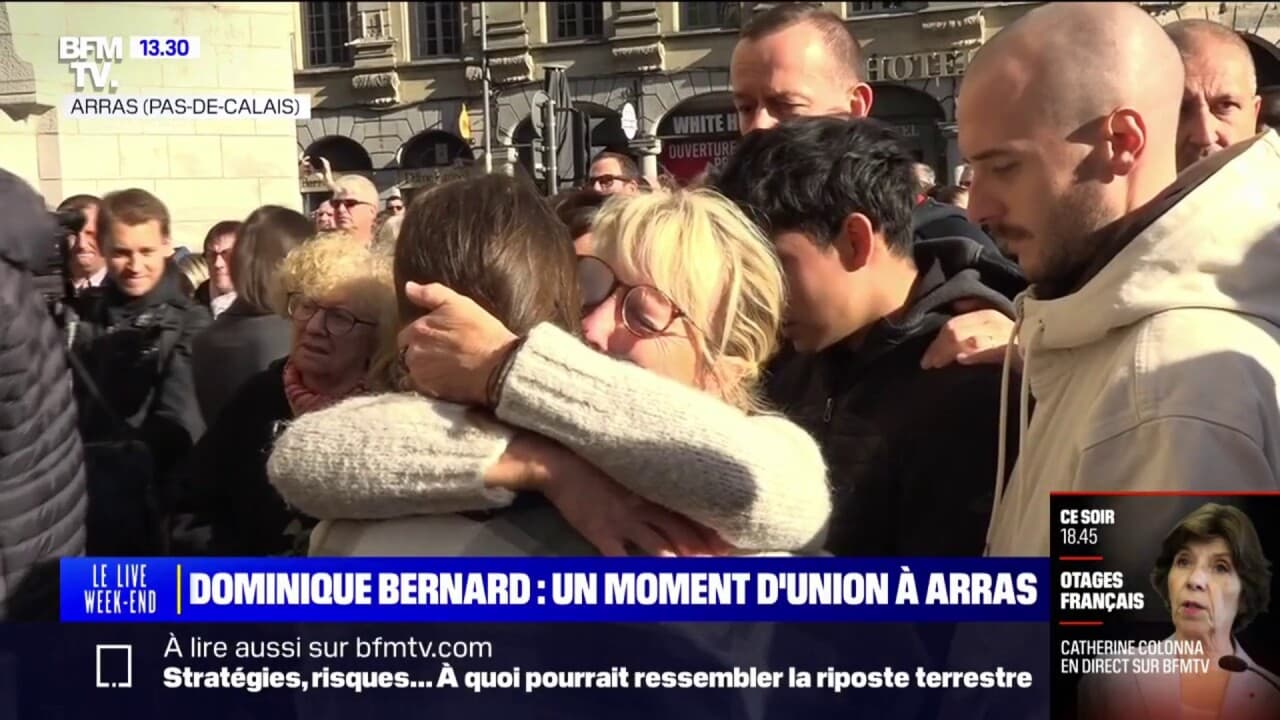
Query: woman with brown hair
(661,448)
(246,338)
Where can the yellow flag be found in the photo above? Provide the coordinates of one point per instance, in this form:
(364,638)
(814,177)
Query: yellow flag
(464,124)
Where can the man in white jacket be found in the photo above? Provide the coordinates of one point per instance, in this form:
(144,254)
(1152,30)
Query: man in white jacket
(1149,339)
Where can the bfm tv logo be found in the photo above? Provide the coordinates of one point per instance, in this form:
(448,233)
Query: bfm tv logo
(93,58)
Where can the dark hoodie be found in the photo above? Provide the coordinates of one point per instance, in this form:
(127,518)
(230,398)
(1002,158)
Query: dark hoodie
(42,479)
(910,452)
(932,220)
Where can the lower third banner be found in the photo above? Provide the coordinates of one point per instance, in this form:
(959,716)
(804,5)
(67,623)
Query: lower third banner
(553,590)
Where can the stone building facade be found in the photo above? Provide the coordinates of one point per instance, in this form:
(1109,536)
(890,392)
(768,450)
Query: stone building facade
(398,92)
(402,100)
(204,170)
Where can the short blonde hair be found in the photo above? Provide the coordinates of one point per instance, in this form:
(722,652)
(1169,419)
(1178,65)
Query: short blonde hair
(195,272)
(384,237)
(357,186)
(703,252)
(333,263)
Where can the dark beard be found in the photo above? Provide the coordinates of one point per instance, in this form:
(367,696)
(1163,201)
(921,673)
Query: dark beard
(1100,246)
(1063,284)
(1087,244)
(1105,243)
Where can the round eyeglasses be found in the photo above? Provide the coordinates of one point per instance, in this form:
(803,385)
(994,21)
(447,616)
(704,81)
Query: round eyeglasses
(336,320)
(646,310)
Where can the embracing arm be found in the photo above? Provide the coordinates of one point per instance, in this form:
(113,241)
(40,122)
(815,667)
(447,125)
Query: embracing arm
(760,482)
(394,455)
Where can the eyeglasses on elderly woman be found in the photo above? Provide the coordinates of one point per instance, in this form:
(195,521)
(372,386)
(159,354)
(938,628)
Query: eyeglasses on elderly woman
(336,320)
(646,310)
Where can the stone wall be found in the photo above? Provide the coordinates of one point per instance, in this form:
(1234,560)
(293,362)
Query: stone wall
(204,170)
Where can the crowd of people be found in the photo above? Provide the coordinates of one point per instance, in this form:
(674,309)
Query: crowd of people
(816,348)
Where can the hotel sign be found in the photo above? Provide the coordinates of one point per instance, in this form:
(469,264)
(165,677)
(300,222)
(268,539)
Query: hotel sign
(723,123)
(918,66)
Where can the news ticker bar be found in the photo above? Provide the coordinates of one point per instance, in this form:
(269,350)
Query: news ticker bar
(554,590)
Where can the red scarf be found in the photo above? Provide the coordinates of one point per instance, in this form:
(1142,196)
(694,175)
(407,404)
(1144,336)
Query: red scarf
(303,399)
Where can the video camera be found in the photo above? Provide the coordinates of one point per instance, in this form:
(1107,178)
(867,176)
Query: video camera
(54,279)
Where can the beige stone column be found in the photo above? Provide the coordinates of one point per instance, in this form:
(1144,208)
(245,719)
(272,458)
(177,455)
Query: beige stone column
(203,170)
(648,148)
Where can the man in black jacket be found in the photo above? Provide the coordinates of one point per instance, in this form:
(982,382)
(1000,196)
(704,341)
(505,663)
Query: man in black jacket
(134,337)
(798,59)
(912,452)
(42,481)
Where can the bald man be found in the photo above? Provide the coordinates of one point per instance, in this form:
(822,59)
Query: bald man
(1151,334)
(1220,101)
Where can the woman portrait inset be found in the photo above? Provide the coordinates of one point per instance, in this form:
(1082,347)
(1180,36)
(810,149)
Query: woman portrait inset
(1214,579)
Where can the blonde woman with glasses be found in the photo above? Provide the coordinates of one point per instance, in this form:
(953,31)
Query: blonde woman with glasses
(641,429)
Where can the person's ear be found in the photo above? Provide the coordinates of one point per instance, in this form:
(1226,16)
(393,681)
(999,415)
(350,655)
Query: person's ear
(860,98)
(854,243)
(1257,110)
(1126,135)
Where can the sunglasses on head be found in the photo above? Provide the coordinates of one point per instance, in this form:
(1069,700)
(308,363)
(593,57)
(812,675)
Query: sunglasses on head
(646,310)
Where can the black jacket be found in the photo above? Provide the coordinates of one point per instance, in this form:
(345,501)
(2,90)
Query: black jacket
(201,295)
(911,453)
(240,343)
(42,479)
(932,220)
(229,505)
(138,351)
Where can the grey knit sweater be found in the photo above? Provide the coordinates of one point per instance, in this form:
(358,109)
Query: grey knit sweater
(759,481)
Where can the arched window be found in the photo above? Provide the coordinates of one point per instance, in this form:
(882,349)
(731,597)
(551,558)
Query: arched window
(343,154)
(435,148)
(916,115)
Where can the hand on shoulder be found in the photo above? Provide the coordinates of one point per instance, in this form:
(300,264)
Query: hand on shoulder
(977,337)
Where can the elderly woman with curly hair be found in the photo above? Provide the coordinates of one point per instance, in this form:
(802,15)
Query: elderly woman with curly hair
(1214,579)
(337,295)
